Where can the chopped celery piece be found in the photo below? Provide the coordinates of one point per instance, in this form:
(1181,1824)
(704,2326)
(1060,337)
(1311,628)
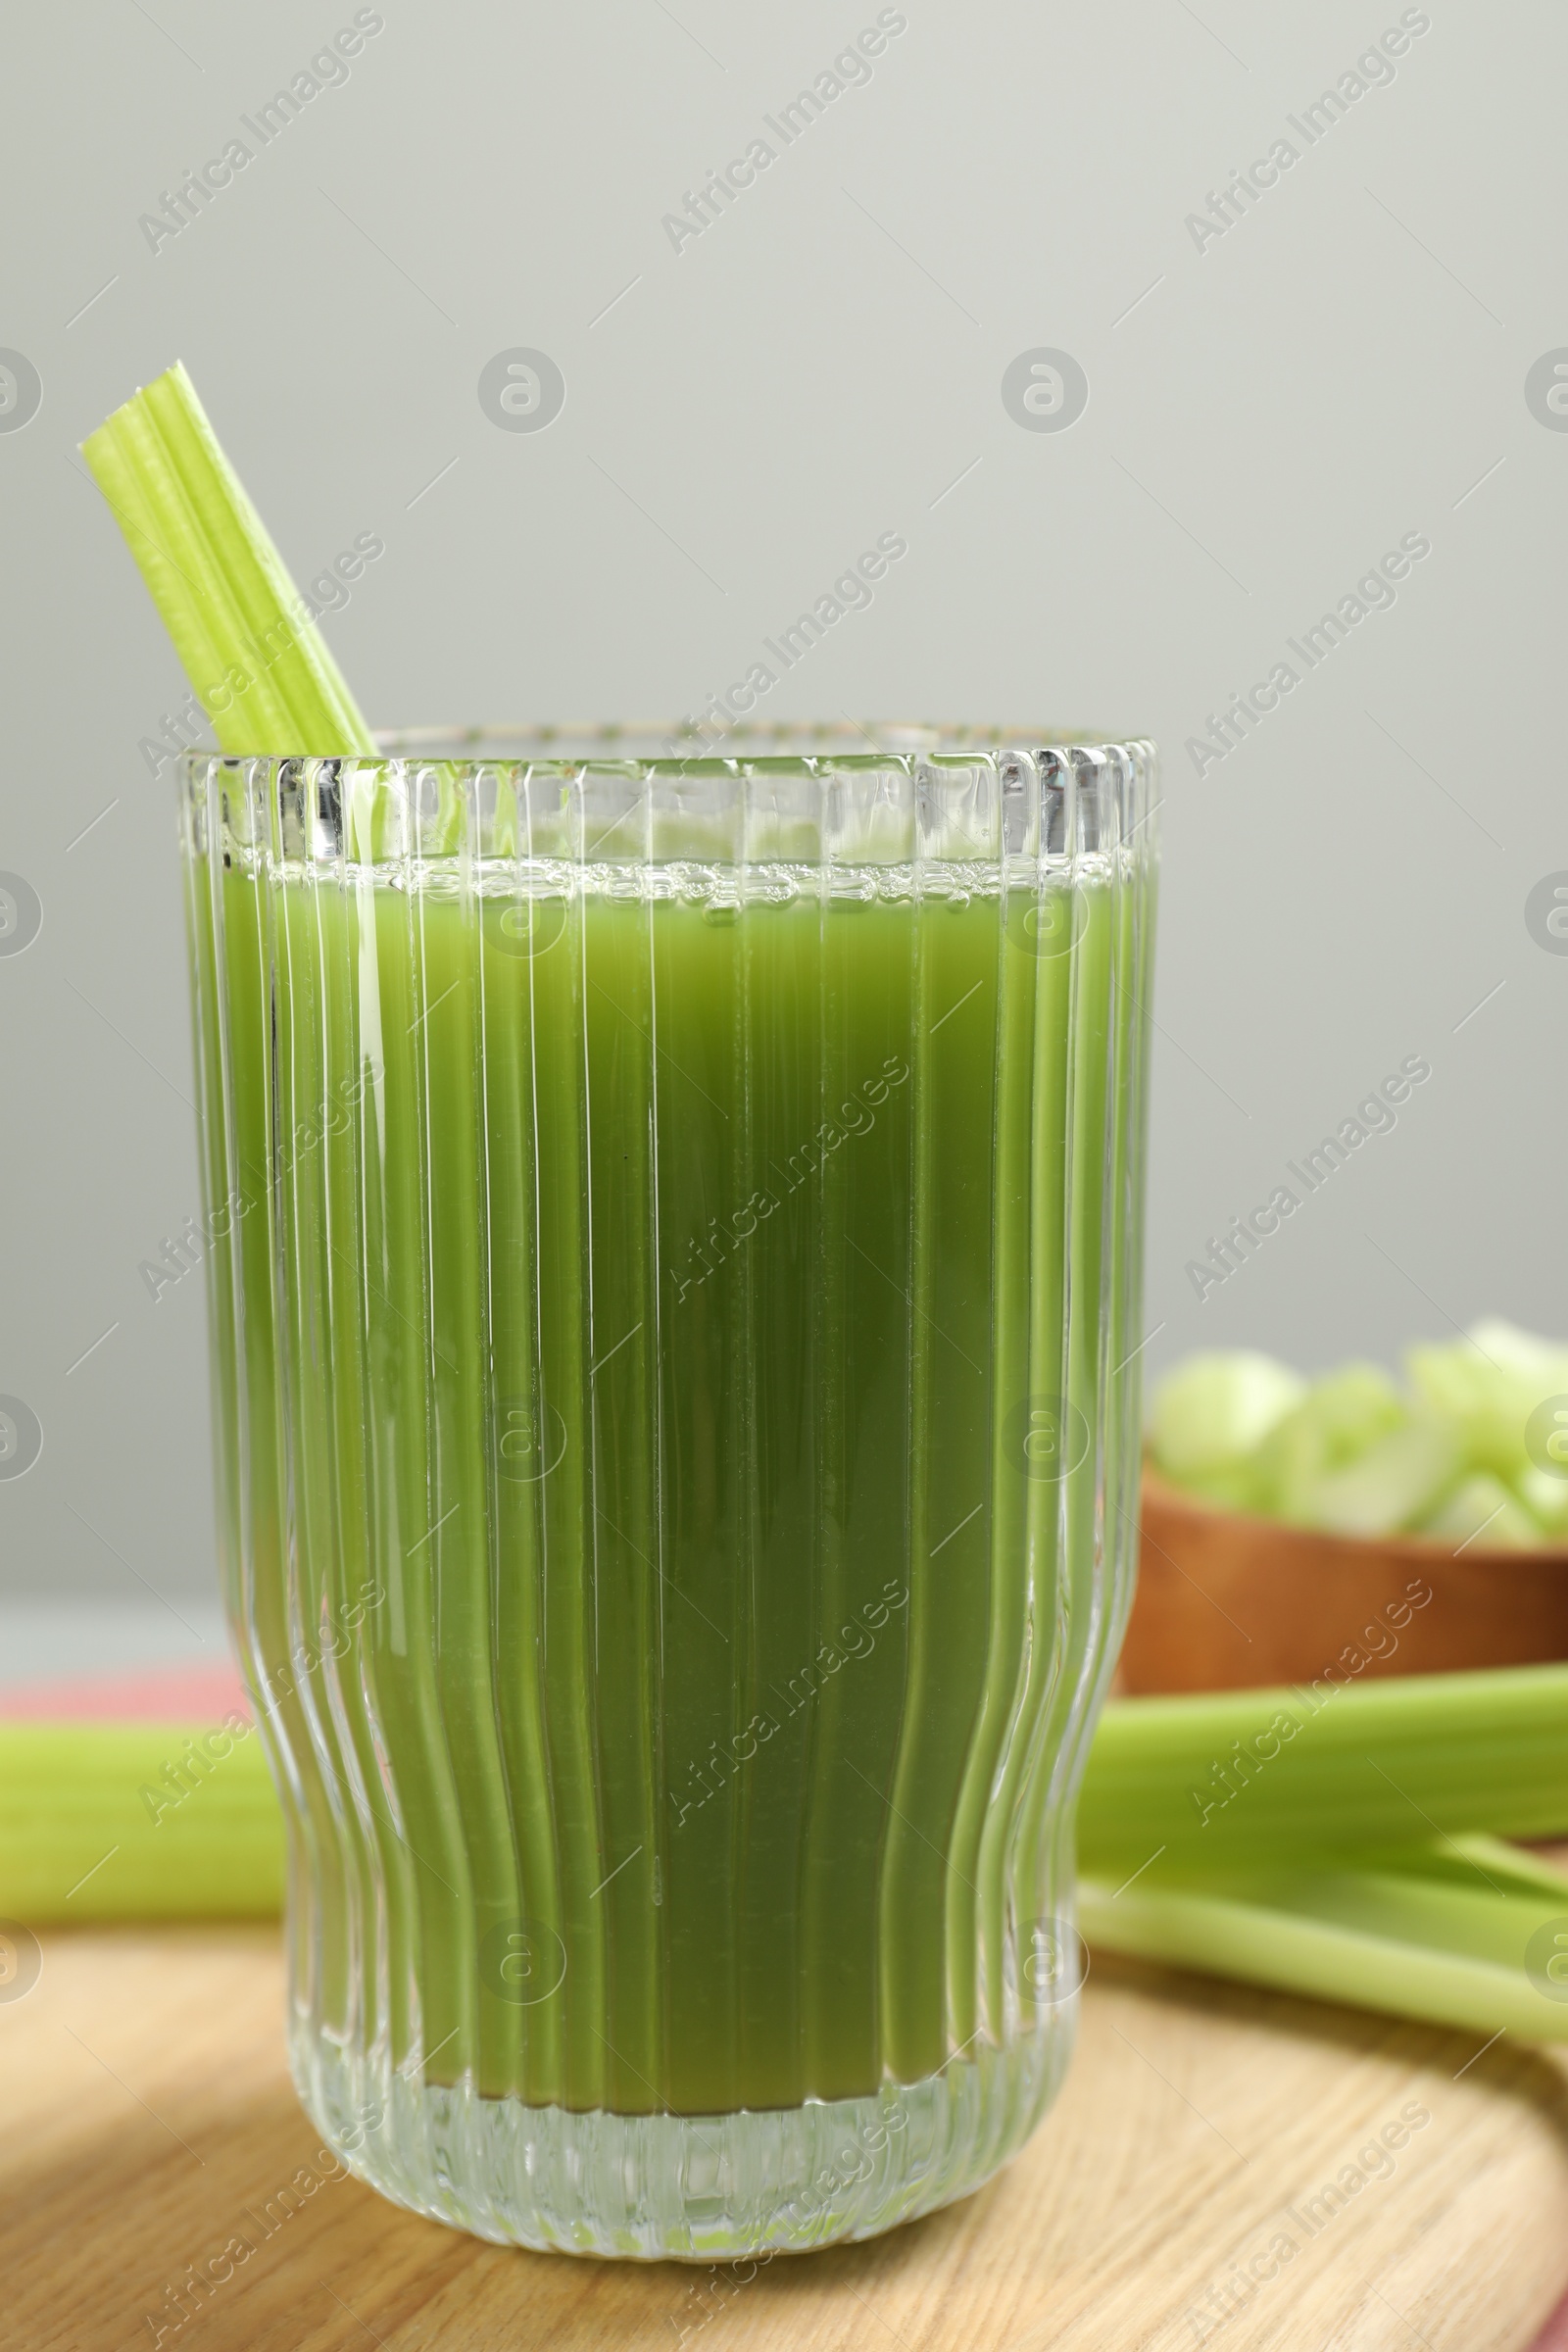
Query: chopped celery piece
(1489,1385)
(1354,1457)
(1339,1418)
(1484,1508)
(249,643)
(1546,1496)
(1544,1363)
(1462,1939)
(1397,1481)
(1214,1411)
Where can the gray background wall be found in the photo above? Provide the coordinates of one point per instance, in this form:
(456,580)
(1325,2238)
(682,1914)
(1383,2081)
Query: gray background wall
(1266,415)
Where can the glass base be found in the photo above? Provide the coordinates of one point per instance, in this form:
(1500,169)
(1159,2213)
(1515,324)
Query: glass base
(668,2188)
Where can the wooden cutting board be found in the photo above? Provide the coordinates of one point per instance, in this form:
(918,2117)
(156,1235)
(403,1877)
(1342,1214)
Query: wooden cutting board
(147,2122)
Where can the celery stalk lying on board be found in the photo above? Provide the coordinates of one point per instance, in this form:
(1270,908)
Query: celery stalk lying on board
(1473,1934)
(1245,1780)
(1380,1765)
(101,1822)
(136,1821)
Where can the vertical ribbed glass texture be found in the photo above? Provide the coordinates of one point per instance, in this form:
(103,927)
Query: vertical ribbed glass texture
(675,1282)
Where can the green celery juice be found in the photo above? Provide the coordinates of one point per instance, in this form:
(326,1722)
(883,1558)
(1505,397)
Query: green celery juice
(669,1349)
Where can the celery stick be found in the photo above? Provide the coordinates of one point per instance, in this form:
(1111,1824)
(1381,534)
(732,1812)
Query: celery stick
(251,650)
(116,1820)
(1500,1864)
(1460,1940)
(1453,1754)
(1234,1781)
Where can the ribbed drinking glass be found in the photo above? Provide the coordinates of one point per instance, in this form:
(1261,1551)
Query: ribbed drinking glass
(674,1290)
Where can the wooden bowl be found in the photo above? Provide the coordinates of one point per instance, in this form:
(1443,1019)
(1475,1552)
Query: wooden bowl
(1226,1601)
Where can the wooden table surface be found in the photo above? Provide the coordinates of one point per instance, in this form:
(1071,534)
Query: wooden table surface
(147,2121)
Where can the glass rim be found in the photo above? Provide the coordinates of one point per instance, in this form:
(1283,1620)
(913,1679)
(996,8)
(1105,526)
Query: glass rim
(577,800)
(646,741)
(683,747)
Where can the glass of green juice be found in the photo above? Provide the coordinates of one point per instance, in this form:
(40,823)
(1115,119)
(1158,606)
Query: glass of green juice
(675,1298)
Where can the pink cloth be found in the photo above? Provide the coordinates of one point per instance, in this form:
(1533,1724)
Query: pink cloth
(1553,2338)
(183,1694)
